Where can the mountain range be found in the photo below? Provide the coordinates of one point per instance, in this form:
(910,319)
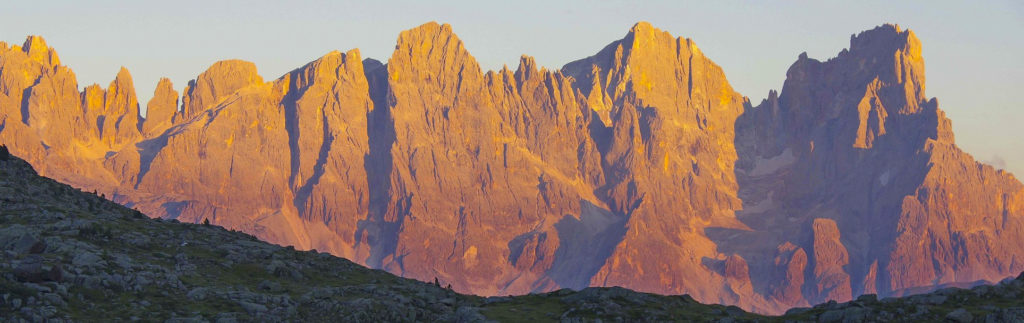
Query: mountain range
(637,167)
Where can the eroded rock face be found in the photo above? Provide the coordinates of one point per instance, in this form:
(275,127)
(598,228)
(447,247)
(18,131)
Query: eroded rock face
(830,256)
(668,154)
(71,135)
(854,141)
(638,167)
(785,287)
(219,81)
(161,108)
(493,171)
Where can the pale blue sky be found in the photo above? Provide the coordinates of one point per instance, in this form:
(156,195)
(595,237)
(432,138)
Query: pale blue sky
(974,50)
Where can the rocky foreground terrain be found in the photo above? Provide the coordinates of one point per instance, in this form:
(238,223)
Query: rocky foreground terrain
(70,255)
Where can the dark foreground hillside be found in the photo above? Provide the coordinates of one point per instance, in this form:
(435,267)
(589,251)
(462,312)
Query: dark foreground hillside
(72,255)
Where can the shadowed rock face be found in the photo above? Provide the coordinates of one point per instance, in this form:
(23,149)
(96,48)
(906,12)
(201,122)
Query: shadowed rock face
(854,150)
(638,167)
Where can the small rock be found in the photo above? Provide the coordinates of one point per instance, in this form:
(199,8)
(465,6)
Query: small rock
(86,259)
(226,318)
(53,299)
(252,308)
(960,315)
(30,271)
(270,286)
(198,294)
(448,301)
(920,310)
(469,314)
(29,244)
(55,274)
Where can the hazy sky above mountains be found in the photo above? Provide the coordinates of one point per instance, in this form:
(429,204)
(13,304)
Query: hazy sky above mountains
(973,50)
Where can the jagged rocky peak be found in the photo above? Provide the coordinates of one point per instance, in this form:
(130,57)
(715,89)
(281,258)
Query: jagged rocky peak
(219,81)
(120,121)
(886,40)
(432,59)
(92,98)
(121,95)
(161,108)
(662,71)
(427,35)
(37,50)
(114,111)
(434,54)
(122,88)
(882,78)
(332,66)
(645,36)
(527,68)
(34,67)
(885,55)
(642,42)
(885,51)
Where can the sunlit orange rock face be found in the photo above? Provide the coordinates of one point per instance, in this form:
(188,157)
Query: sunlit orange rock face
(639,167)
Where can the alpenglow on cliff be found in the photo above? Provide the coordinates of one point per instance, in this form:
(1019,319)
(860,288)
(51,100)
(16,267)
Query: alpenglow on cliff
(638,167)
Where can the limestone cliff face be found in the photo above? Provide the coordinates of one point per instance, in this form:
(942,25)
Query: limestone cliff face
(638,167)
(219,81)
(69,134)
(161,108)
(668,155)
(968,216)
(855,150)
(283,159)
(330,146)
(487,172)
(443,123)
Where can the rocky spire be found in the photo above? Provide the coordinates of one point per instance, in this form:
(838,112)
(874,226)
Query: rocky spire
(37,50)
(121,111)
(114,112)
(219,81)
(161,108)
